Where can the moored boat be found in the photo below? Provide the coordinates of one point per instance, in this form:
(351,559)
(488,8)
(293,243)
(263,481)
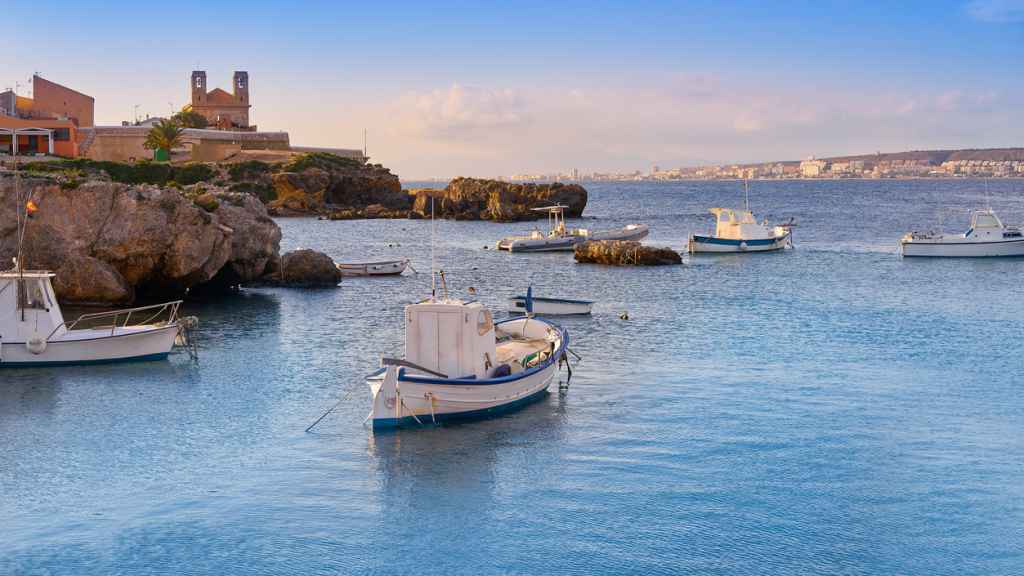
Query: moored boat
(33,331)
(460,364)
(559,238)
(986,237)
(550,306)
(383,268)
(738,231)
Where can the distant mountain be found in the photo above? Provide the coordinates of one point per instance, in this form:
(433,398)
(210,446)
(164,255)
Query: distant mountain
(937,157)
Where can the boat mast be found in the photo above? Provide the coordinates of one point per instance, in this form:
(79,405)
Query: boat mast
(746,196)
(433,278)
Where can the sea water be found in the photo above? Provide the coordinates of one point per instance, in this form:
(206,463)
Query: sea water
(832,409)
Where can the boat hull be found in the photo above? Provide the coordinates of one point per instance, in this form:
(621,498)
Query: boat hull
(391,268)
(917,248)
(401,399)
(551,306)
(711,244)
(568,243)
(100,347)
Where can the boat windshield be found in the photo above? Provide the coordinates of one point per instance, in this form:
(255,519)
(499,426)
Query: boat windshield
(31,294)
(986,220)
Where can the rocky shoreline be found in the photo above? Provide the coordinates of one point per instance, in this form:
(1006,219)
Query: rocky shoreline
(111,243)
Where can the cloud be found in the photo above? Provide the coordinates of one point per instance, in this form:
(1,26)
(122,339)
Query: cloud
(996,11)
(461,111)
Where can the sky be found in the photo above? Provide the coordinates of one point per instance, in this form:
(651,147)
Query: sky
(448,89)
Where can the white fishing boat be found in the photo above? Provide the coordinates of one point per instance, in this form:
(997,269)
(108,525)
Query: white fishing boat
(738,231)
(550,306)
(460,364)
(33,331)
(560,238)
(987,237)
(384,268)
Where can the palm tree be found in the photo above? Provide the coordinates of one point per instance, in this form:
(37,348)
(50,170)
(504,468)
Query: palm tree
(165,135)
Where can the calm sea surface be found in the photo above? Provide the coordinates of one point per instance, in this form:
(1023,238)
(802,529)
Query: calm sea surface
(827,410)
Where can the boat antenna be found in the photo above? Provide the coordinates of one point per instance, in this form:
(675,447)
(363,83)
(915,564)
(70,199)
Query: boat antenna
(433,266)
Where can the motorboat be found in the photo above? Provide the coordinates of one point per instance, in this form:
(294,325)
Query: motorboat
(986,237)
(560,238)
(550,306)
(385,268)
(33,331)
(738,231)
(461,364)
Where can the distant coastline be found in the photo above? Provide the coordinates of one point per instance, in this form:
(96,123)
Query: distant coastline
(960,163)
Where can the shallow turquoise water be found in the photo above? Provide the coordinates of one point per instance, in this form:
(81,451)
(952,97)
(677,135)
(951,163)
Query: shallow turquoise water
(831,409)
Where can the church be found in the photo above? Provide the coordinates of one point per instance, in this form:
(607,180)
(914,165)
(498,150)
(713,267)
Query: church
(221,109)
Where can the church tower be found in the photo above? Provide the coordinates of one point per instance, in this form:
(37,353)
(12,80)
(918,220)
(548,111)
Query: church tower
(241,87)
(198,88)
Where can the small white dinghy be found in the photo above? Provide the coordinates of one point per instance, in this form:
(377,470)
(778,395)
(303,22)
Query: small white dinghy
(738,231)
(550,306)
(460,364)
(560,239)
(987,237)
(33,331)
(385,268)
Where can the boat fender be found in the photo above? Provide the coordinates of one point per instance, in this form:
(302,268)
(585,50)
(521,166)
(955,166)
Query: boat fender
(743,245)
(36,344)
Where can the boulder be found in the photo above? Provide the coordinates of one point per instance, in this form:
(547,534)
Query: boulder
(87,280)
(304,269)
(476,199)
(110,242)
(624,253)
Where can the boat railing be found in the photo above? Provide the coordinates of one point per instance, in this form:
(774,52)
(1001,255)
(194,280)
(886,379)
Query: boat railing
(123,318)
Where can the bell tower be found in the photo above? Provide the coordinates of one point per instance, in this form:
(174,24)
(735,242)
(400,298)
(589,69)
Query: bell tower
(241,87)
(198,87)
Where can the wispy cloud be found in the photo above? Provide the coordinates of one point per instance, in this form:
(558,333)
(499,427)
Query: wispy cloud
(461,111)
(996,11)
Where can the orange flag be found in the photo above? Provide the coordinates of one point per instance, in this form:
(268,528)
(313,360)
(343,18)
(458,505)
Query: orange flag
(31,208)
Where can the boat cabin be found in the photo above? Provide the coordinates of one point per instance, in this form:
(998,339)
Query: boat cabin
(738,225)
(452,337)
(28,307)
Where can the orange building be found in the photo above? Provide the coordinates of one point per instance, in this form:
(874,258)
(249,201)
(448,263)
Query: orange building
(42,136)
(48,122)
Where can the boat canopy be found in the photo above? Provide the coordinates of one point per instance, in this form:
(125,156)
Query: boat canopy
(735,224)
(985,219)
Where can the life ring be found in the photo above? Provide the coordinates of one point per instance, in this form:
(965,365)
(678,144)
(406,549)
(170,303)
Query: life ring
(743,246)
(36,345)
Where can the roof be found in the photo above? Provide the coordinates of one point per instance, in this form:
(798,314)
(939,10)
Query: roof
(219,97)
(12,122)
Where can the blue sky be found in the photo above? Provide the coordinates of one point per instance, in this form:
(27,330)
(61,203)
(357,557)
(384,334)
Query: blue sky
(483,89)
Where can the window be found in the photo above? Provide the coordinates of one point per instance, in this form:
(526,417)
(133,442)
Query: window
(61,134)
(31,295)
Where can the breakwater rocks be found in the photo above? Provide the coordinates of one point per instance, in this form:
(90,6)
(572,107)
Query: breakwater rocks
(624,253)
(476,199)
(112,243)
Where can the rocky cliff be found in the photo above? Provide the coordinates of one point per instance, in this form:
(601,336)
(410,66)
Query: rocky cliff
(475,199)
(112,243)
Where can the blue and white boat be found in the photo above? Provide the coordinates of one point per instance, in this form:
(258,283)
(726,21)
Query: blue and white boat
(738,231)
(460,364)
(562,239)
(550,306)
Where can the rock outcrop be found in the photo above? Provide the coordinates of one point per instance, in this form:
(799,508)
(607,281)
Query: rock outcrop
(304,269)
(323,183)
(111,243)
(475,199)
(624,253)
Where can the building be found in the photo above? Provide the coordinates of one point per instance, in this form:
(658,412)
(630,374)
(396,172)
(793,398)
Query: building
(812,168)
(47,123)
(221,109)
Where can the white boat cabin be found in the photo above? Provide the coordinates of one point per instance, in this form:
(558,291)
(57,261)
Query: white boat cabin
(28,307)
(452,337)
(734,224)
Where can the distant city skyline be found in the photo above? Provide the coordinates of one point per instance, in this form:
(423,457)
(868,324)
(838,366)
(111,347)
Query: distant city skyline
(446,90)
